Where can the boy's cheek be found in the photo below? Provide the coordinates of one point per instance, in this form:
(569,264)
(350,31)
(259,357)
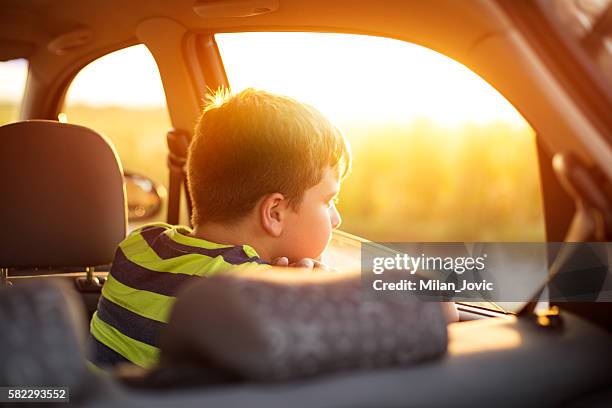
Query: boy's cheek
(323,239)
(308,235)
(308,245)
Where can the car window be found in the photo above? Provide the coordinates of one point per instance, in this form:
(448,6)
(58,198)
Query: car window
(439,155)
(13,76)
(121,96)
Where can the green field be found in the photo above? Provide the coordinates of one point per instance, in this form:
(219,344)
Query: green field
(410,182)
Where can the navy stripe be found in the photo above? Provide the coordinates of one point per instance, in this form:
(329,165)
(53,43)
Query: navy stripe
(102,355)
(137,277)
(166,248)
(129,323)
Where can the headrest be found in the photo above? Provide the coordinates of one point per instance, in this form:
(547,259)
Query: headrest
(288,324)
(63,198)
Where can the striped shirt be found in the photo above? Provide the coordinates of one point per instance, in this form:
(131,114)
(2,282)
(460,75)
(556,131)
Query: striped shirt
(150,266)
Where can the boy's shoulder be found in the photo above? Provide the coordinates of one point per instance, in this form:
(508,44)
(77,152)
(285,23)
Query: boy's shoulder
(145,236)
(161,226)
(169,246)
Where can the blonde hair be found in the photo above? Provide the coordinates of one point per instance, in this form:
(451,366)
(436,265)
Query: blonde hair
(256,143)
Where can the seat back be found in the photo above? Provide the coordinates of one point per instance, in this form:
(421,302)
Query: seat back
(63,198)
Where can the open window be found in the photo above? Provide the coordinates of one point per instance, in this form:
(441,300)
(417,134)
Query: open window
(13,74)
(439,155)
(121,96)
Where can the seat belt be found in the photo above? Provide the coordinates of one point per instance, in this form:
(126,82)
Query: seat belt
(178,144)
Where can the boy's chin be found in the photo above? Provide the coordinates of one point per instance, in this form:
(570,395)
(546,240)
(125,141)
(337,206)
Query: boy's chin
(297,254)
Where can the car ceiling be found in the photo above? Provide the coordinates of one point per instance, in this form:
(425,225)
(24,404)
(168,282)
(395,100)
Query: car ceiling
(28,26)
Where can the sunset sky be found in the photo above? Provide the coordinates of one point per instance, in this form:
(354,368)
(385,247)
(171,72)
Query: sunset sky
(348,77)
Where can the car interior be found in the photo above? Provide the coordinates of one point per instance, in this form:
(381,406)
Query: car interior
(64,207)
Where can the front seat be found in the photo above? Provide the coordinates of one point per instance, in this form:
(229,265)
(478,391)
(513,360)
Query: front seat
(63,198)
(62,206)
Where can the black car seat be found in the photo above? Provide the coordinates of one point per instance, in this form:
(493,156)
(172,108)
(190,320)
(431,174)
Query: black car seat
(63,203)
(63,208)
(43,340)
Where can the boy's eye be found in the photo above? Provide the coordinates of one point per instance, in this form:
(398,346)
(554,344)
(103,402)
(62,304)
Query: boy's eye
(332,202)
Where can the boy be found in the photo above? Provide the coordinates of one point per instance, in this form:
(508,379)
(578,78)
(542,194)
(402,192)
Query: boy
(263,173)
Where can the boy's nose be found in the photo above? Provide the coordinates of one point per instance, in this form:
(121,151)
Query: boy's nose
(336,220)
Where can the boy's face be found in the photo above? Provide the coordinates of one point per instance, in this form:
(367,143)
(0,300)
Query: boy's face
(308,230)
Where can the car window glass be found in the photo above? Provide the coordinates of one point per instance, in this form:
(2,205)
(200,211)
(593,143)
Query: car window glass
(121,96)
(439,155)
(13,76)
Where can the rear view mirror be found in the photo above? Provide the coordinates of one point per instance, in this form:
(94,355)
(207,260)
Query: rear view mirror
(144,196)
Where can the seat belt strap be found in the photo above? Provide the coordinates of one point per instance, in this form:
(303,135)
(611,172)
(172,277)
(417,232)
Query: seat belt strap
(178,144)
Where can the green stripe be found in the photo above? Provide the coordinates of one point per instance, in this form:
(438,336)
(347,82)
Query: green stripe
(250,251)
(138,251)
(179,234)
(142,302)
(137,352)
(151,225)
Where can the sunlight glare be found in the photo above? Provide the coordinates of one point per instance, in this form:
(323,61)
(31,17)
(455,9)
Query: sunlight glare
(370,78)
(132,70)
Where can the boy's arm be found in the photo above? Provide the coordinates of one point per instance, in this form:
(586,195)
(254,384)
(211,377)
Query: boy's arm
(450,312)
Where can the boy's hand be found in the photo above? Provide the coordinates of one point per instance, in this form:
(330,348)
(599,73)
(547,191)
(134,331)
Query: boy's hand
(307,263)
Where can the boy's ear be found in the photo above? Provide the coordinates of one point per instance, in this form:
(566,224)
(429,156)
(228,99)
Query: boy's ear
(272,212)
